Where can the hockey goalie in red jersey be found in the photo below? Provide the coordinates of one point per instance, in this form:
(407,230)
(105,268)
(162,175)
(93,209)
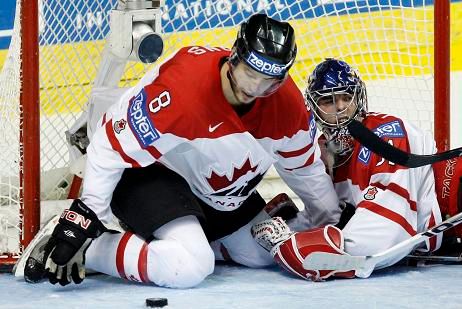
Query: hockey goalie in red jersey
(386,203)
(177,160)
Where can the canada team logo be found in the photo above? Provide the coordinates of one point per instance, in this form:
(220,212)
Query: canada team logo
(241,182)
(120,125)
(370,193)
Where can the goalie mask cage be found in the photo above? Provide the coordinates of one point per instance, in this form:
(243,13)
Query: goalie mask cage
(56,48)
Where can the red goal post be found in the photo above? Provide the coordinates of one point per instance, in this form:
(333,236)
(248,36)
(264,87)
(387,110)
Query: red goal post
(392,46)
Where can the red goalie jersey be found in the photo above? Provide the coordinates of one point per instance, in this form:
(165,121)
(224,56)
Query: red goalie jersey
(392,202)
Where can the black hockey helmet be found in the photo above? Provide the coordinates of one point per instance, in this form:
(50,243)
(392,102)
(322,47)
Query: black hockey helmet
(266,45)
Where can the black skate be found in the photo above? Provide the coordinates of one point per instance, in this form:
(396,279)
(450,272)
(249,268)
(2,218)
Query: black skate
(31,264)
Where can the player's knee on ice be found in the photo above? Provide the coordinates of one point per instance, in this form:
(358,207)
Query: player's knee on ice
(181,268)
(182,257)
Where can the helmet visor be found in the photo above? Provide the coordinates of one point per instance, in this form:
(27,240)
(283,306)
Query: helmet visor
(251,82)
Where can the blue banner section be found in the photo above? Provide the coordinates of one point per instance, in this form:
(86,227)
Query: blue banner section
(87,20)
(140,121)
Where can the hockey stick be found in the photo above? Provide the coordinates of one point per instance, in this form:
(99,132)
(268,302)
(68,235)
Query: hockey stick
(375,144)
(322,260)
(435,258)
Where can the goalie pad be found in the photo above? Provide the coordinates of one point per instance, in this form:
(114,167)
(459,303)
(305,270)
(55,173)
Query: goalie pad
(291,253)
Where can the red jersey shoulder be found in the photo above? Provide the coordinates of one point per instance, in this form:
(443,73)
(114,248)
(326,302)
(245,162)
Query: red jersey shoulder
(364,163)
(191,62)
(285,112)
(176,100)
(387,127)
(199,58)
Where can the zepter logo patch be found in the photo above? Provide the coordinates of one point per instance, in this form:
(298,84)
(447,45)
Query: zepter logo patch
(262,65)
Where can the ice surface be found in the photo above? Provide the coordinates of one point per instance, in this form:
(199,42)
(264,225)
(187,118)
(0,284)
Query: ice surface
(238,287)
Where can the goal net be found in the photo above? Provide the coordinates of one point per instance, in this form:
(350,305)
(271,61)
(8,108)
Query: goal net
(391,43)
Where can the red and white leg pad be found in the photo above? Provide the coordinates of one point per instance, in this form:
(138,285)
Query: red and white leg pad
(291,253)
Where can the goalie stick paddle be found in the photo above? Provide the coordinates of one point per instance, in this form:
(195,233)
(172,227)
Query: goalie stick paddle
(375,144)
(331,261)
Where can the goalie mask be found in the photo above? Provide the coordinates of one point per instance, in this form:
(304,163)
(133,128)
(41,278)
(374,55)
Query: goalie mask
(268,48)
(336,95)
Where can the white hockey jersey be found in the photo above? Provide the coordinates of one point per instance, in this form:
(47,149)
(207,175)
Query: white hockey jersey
(178,116)
(392,202)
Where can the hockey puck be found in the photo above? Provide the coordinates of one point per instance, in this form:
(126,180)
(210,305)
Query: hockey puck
(156,302)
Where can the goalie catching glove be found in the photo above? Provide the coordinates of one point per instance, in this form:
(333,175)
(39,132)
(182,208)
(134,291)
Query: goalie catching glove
(270,232)
(290,249)
(65,250)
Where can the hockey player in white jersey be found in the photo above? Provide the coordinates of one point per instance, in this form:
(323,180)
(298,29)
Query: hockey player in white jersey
(177,159)
(390,203)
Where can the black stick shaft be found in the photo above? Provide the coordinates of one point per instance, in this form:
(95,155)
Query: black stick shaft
(375,144)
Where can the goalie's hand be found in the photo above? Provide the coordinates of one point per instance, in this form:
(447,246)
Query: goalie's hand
(271,232)
(77,227)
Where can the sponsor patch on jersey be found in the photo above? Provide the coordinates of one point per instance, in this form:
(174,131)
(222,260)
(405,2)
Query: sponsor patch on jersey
(264,66)
(119,125)
(389,129)
(140,122)
(312,126)
(370,193)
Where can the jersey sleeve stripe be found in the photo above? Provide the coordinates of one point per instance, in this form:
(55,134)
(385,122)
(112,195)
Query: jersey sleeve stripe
(432,240)
(307,163)
(389,214)
(395,188)
(103,120)
(120,254)
(154,152)
(117,147)
(295,153)
(143,263)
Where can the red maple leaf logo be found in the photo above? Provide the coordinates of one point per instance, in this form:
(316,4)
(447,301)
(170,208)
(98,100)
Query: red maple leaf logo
(218,182)
(370,193)
(119,125)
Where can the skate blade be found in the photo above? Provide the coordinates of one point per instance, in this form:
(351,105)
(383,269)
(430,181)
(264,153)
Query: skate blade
(18,269)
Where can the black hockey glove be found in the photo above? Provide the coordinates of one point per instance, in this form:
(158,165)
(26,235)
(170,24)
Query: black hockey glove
(77,227)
